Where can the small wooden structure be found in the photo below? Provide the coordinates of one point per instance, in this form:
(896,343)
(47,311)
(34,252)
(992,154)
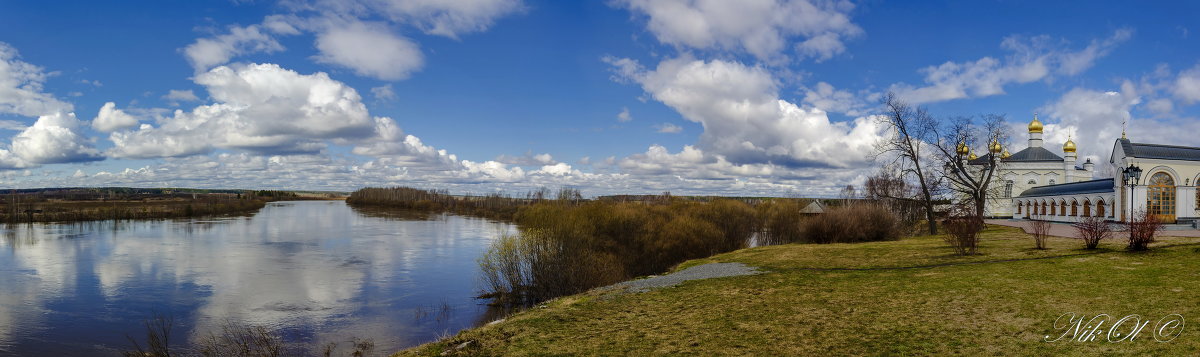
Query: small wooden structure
(814,208)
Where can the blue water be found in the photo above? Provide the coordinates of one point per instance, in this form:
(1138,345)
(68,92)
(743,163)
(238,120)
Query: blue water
(316,271)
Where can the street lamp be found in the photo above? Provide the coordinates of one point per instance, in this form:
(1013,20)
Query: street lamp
(1131,176)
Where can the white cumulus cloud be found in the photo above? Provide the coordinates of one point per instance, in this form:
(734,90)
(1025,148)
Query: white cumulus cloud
(1030,59)
(744,119)
(763,28)
(54,139)
(209,52)
(259,108)
(21,84)
(112,119)
(370,49)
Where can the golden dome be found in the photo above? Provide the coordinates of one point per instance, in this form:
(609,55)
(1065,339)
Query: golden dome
(1069,146)
(1035,126)
(1005,155)
(963,149)
(972,157)
(995,148)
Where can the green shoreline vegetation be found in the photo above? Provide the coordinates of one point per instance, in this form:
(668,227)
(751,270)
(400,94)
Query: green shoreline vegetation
(123,203)
(913,296)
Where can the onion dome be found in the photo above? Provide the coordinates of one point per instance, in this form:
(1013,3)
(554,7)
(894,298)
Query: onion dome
(1069,146)
(963,149)
(1005,155)
(972,157)
(1035,126)
(995,147)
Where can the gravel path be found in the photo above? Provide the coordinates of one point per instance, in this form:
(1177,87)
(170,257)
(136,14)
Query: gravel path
(706,271)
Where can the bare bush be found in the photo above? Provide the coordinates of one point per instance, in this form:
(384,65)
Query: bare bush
(233,339)
(566,249)
(1092,230)
(1039,229)
(850,224)
(242,340)
(962,233)
(1142,229)
(781,220)
(158,338)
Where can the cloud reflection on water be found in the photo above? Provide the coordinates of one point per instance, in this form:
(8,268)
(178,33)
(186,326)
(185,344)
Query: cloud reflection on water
(318,271)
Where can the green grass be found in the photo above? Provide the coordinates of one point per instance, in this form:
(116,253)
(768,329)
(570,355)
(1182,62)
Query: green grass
(1001,302)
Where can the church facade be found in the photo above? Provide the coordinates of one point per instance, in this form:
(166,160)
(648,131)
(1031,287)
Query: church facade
(1034,166)
(1152,178)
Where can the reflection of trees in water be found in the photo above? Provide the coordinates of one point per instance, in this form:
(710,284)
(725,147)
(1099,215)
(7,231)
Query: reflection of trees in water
(495,312)
(19,234)
(394,214)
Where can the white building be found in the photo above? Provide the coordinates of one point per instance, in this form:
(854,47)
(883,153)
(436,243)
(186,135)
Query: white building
(1152,178)
(1032,167)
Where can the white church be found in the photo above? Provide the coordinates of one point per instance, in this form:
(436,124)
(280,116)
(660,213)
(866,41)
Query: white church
(1152,178)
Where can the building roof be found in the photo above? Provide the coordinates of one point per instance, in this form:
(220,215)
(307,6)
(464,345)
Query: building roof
(1033,154)
(1030,154)
(814,208)
(1074,188)
(1156,151)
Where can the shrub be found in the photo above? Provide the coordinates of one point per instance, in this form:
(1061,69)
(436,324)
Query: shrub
(781,222)
(1142,229)
(568,248)
(962,233)
(736,222)
(1093,230)
(849,224)
(1039,229)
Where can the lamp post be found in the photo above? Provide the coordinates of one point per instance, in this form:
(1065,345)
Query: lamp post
(1131,175)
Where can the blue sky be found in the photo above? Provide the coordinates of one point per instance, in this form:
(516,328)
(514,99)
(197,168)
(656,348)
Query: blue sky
(632,96)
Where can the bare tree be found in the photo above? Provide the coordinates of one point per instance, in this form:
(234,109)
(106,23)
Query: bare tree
(971,179)
(909,132)
(886,187)
(848,194)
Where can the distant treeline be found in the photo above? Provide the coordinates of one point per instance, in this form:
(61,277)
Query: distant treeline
(91,204)
(494,206)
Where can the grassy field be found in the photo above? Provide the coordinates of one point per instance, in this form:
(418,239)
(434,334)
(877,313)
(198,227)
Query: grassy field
(907,297)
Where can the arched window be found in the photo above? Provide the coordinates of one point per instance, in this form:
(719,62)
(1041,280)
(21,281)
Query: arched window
(1100,208)
(1160,198)
(1019,207)
(1043,208)
(1074,208)
(1063,208)
(1051,181)
(1032,182)
(1053,209)
(1087,208)
(1008,186)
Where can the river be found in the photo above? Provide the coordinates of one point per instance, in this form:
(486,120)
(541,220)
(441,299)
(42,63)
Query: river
(315,271)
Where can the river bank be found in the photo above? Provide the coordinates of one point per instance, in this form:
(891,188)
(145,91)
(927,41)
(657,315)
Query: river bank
(905,297)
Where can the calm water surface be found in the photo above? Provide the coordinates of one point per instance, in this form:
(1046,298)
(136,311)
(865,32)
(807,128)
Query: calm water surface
(318,271)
